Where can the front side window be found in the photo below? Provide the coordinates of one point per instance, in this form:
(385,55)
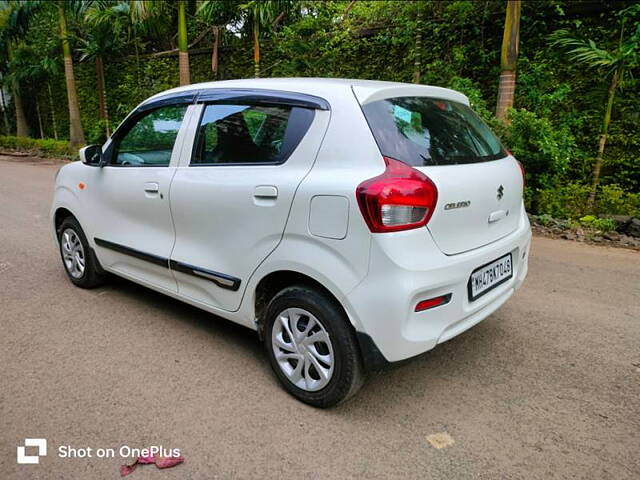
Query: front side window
(245,134)
(430,131)
(149,142)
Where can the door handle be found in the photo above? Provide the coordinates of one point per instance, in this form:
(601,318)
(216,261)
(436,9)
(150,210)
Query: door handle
(151,187)
(265,191)
(498,215)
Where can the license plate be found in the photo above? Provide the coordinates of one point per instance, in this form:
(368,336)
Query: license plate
(489,276)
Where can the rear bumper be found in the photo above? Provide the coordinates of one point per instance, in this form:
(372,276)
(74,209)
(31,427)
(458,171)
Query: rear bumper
(407,267)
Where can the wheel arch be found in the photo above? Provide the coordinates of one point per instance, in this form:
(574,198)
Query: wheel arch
(60,215)
(273,282)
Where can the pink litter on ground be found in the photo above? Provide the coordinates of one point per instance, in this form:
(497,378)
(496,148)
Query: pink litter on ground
(161,462)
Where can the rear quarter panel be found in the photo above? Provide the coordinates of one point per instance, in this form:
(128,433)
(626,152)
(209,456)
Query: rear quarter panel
(348,156)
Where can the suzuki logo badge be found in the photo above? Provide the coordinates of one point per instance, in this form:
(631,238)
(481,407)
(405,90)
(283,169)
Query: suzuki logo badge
(500,192)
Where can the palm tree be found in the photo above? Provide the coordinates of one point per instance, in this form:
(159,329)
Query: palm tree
(218,14)
(183,44)
(263,13)
(76,134)
(15,17)
(615,64)
(18,73)
(107,23)
(509,58)
(27,66)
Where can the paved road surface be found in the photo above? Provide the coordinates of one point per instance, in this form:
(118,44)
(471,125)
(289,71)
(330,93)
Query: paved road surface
(548,387)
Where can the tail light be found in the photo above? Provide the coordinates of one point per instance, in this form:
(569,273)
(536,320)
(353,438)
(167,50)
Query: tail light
(401,198)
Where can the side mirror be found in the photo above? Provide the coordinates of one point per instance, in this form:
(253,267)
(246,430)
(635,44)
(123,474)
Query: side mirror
(91,155)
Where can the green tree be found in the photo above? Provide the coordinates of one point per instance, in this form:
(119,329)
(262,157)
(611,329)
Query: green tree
(615,64)
(27,66)
(15,18)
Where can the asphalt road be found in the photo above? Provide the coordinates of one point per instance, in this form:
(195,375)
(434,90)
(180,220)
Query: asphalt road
(547,387)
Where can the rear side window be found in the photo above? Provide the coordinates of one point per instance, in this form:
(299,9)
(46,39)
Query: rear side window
(245,134)
(428,131)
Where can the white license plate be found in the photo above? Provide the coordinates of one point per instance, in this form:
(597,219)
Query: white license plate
(489,276)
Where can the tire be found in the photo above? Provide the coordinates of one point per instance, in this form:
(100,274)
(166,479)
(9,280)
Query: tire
(73,246)
(294,361)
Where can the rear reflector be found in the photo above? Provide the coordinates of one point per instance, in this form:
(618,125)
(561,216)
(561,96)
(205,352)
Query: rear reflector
(433,302)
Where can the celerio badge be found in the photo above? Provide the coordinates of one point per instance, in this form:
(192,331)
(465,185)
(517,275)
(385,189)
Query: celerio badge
(451,206)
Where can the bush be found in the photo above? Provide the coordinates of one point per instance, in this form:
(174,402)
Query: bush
(543,148)
(602,224)
(613,200)
(570,201)
(566,201)
(45,147)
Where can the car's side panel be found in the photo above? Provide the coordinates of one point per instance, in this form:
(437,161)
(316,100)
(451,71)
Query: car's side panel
(241,212)
(129,220)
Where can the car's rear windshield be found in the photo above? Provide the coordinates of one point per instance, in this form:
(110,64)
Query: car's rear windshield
(429,131)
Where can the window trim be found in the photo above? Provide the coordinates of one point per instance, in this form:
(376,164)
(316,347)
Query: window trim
(261,97)
(125,127)
(196,138)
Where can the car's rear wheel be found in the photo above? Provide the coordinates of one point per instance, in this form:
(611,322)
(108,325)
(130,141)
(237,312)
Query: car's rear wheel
(312,347)
(78,258)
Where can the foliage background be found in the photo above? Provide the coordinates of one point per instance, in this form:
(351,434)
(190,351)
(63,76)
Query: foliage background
(558,105)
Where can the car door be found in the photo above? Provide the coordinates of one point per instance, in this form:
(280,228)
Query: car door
(231,195)
(132,227)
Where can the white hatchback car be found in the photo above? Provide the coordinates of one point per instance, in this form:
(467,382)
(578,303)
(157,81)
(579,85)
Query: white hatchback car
(351,223)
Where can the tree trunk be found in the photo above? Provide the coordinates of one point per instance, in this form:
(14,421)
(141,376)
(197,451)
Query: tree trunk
(39,117)
(22,129)
(76,134)
(256,48)
(102,93)
(53,114)
(418,47)
(613,86)
(345,14)
(7,128)
(183,46)
(509,58)
(214,53)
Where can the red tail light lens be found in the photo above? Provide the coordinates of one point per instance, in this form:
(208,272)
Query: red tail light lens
(401,198)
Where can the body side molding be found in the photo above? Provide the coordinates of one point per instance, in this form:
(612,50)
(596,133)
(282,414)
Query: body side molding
(221,279)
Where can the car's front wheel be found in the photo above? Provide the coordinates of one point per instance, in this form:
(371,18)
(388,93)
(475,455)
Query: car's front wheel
(312,347)
(78,258)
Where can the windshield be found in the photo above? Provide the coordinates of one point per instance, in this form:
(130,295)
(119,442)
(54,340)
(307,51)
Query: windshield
(430,131)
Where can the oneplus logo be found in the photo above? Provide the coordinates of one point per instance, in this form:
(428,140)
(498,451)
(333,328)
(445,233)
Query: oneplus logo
(23,458)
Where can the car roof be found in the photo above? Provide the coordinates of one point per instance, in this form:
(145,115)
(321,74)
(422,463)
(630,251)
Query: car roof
(366,91)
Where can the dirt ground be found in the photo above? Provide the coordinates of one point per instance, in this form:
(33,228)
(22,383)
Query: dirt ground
(547,387)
